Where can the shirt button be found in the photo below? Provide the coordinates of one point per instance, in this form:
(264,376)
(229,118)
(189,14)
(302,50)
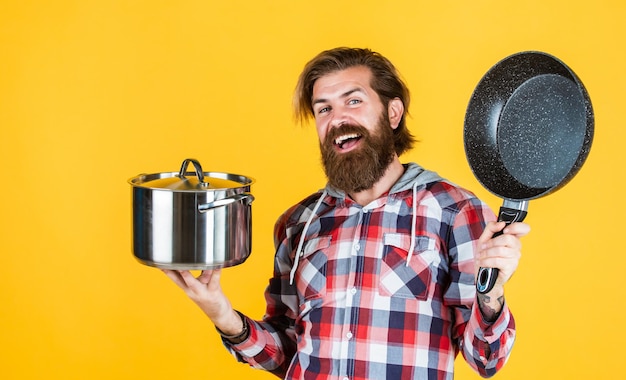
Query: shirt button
(349,335)
(357,246)
(353,290)
(346,378)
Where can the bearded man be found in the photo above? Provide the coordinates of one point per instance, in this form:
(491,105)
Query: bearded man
(374,277)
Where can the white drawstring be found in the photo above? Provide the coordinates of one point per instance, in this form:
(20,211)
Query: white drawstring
(413,223)
(299,252)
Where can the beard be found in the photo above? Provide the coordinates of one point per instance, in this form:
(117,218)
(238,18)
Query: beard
(361,168)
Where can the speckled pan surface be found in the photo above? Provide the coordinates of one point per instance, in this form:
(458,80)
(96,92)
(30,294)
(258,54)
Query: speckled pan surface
(528,127)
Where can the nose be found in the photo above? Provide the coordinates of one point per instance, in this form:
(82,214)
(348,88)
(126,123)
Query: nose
(336,123)
(324,128)
(338,118)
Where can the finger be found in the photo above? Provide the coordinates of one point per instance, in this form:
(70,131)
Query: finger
(499,257)
(486,239)
(205,276)
(518,229)
(214,281)
(188,278)
(490,229)
(175,277)
(509,238)
(207,281)
(505,265)
(498,253)
(505,241)
(506,259)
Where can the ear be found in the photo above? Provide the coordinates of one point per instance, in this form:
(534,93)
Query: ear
(395,110)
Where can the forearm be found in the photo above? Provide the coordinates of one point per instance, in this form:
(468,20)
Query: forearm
(236,335)
(228,323)
(490,304)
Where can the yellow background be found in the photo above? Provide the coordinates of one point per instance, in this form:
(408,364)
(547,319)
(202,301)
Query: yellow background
(95,92)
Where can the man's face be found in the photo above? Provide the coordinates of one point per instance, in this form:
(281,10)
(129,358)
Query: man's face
(356,137)
(362,166)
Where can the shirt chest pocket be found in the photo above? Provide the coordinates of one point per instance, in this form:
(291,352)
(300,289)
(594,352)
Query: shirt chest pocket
(397,279)
(311,278)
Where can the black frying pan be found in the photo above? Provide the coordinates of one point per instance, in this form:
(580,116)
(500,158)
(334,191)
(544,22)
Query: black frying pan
(528,130)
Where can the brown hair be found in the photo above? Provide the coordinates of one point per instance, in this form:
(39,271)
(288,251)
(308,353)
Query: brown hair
(386,82)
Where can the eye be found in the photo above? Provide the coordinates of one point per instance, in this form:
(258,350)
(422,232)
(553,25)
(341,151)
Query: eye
(354,101)
(323,110)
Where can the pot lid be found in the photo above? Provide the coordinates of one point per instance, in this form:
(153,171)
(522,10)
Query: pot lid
(190,181)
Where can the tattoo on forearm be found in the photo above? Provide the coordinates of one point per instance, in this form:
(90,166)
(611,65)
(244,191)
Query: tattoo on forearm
(489,310)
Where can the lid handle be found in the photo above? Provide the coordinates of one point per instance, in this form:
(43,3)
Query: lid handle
(196,165)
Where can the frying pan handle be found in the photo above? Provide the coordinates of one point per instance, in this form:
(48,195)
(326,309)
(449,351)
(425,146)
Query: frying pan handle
(510,212)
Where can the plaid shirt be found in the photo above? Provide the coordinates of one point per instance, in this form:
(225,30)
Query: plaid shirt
(357,310)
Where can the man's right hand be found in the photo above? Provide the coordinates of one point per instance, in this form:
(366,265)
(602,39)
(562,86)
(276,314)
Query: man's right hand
(206,292)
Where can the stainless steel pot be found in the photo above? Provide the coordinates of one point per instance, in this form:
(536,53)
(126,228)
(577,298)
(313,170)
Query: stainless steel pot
(187,220)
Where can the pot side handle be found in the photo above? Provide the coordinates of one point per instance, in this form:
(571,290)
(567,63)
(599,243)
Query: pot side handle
(247,198)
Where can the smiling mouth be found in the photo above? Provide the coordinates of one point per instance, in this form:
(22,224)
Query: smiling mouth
(347,141)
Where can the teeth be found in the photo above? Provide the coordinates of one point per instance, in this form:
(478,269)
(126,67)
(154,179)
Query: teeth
(341,139)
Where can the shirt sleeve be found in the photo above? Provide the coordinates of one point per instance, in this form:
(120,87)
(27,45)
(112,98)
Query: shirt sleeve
(271,343)
(485,346)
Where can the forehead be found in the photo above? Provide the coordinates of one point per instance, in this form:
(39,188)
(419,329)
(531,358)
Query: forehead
(338,82)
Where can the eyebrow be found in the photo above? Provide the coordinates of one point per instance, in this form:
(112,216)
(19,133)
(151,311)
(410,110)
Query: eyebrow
(344,95)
